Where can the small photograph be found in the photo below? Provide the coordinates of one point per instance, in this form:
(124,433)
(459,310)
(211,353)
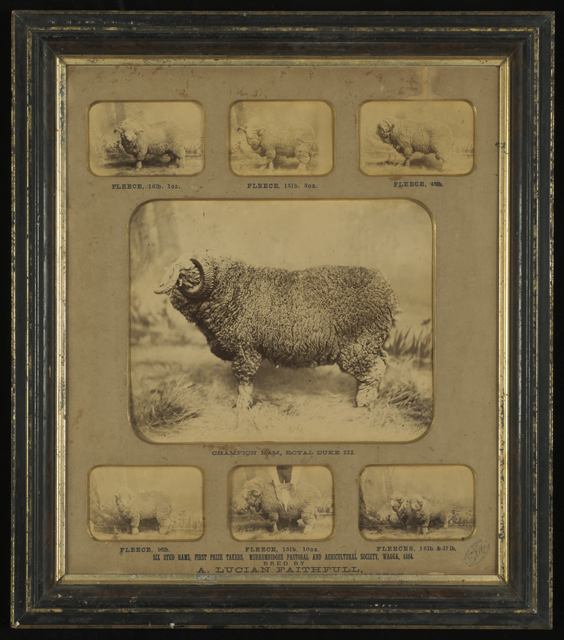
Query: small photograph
(146,503)
(146,138)
(431,137)
(281,137)
(286,321)
(416,502)
(284,502)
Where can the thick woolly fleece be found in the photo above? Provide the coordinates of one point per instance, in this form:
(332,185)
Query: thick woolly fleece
(139,139)
(304,504)
(412,136)
(318,316)
(288,139)
(424,512)
(134,507)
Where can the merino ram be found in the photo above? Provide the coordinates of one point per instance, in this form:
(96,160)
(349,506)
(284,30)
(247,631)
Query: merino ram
(317,316)
(303,504)
(144,505)
(162,138)
(288,139)
(417,136)
(425,513)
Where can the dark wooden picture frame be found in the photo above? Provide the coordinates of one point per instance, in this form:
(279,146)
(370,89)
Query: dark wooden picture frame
(523,599)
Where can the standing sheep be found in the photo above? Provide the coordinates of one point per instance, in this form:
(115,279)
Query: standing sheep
(417,136)
(289,139)
(304,503)
(134,507)
(400,505)
(423,513)
(140,139)
(318,316)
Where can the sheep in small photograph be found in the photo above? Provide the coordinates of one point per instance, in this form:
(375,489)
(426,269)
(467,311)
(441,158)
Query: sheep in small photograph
(424,514)
(288,139)
(134,507)
(162,138)
(417,136)
(317,316)
(304,503)
(400,506)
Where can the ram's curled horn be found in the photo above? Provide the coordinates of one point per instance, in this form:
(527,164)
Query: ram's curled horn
(169,279)
(205,286)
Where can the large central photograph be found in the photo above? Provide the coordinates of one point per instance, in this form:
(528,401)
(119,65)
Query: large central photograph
(281,321)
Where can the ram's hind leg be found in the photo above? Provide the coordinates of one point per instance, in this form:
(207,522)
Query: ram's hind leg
(309,518)
(178,154)
(366,361)
(303,155)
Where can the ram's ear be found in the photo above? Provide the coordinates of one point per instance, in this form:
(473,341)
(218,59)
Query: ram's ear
(138,131)
(242,128)
(261,131)
(118,130)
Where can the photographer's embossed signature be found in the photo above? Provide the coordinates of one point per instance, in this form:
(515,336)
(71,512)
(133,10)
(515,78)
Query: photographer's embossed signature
(476,553)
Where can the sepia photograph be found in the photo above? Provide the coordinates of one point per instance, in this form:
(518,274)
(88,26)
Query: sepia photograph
(281,137)
(284,502)
(427,137)
(146,138)
(146,503)
(399,502)
(287,321)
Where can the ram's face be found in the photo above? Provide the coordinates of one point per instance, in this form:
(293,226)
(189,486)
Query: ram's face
(254,132)
(189,276)
(383,131)
(252,493)
(396,503)
(129,130)
(123,499)
(416,503)
(254,138)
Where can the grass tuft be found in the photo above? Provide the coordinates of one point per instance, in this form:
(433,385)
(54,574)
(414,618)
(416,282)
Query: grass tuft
(166,406)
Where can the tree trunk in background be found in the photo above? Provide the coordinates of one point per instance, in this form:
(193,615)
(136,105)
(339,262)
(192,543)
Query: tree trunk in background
(119,112)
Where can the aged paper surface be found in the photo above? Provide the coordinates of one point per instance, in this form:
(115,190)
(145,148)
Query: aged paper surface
(145,390)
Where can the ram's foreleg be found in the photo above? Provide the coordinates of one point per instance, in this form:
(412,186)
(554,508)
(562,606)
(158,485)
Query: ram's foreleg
(134,522)
(270,155)
(407,152)
(244,367)
(273,519)
(140,155)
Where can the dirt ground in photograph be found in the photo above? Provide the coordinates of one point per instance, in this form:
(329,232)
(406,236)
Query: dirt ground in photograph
(388,533)
(185,394)
(257,528)
(152,165)
(390,162)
